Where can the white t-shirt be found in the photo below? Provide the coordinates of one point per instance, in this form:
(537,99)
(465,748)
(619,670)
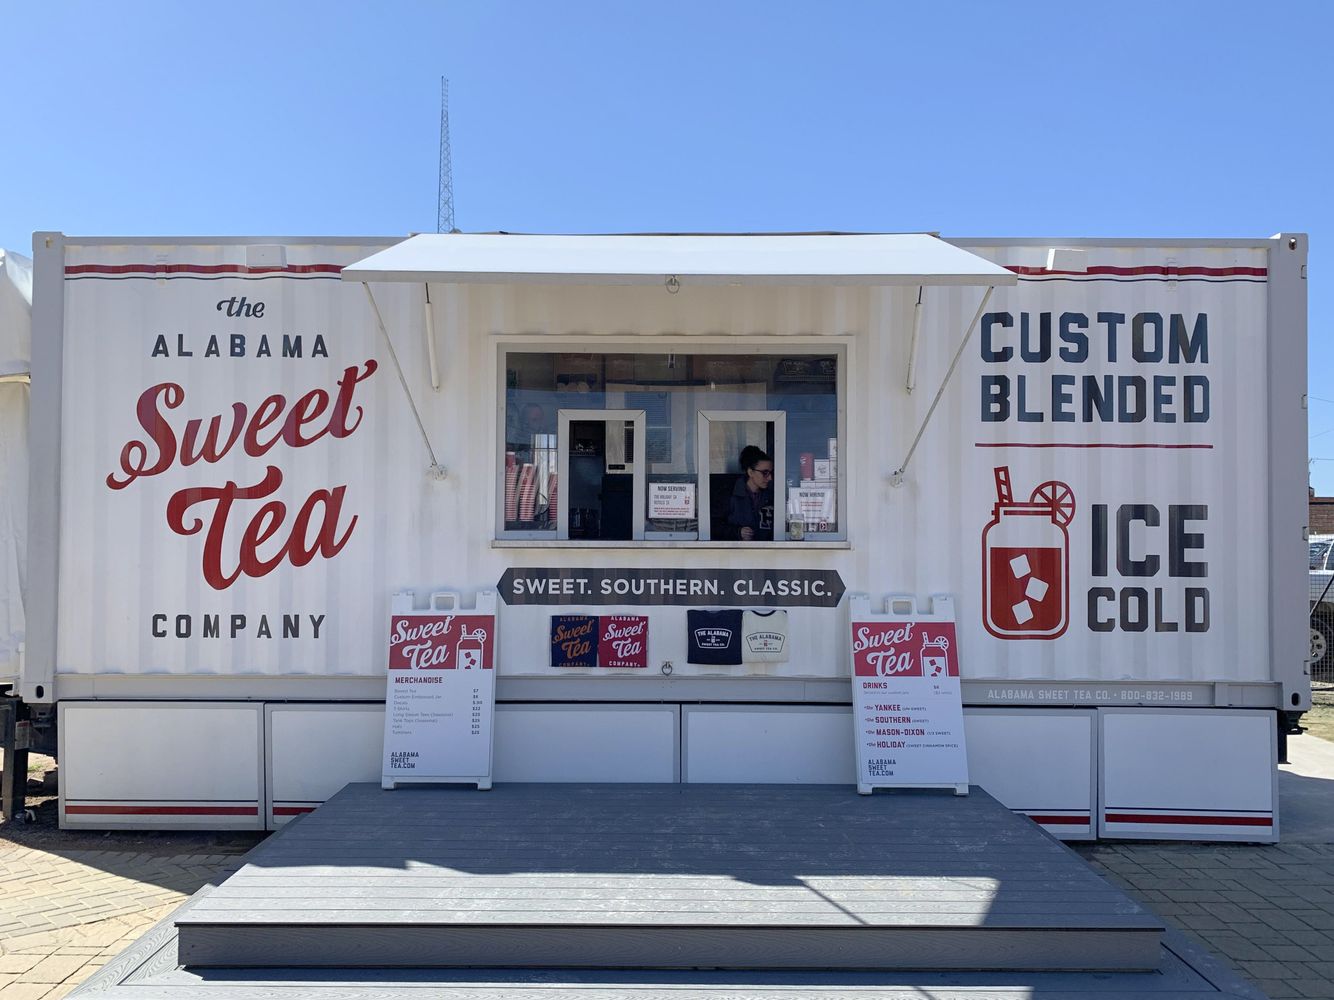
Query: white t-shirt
(764,637)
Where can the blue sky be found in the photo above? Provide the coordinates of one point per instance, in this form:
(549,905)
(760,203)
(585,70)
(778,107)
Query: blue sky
(1035,119)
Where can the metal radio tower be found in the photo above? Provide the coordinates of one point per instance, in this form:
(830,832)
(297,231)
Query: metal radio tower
(444,202)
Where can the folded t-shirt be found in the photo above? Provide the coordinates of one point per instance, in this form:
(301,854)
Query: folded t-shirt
(715,637)
(574,641)
(764,637)
(623,641)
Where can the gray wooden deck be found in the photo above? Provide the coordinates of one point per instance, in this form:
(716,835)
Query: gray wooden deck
(150,970)
(666,877)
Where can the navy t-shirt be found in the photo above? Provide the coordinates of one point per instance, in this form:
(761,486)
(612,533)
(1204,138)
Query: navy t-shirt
(574,641)
(715,637)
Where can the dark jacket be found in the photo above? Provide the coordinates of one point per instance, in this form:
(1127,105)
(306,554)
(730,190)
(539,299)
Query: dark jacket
(750,510)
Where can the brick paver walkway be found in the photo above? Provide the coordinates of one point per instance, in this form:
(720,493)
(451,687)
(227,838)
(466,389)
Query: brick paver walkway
(62,916)
(1267,910)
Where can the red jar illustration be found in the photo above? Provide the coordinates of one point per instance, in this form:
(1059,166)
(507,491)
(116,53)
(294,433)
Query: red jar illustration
(1026,561)
(936,656)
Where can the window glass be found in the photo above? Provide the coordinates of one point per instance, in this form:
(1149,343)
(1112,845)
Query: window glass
(601,487)
(806,392)
(537,386)
(743,495)
(1319,550)
(671,389)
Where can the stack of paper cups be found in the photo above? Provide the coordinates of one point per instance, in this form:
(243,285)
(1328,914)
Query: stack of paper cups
(527,491)
(551,498)
(511,492)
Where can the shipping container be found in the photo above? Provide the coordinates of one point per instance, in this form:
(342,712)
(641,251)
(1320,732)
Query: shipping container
(15,375)
(241,449)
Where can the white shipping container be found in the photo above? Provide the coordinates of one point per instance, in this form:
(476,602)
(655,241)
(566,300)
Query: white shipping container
(230,479)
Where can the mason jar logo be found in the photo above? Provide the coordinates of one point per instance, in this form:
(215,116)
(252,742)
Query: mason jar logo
(1026,561)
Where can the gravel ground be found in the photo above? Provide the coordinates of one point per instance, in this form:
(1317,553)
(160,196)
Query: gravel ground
(1320,720)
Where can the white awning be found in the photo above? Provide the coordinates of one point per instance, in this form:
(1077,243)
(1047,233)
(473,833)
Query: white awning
(818,259)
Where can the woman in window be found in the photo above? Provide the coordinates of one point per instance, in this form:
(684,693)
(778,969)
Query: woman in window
(751,514)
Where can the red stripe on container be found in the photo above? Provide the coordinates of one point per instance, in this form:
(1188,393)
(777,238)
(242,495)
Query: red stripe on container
(1084,820)
(201,269)
(1061,444)
(162,810)
(292,810)
(1212,272)
(1189,820)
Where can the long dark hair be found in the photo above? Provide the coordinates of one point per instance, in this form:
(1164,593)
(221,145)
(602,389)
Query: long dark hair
(752,456)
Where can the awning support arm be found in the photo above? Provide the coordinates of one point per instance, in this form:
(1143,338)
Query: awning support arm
(430,340)
(896,477)
(910,383)
(436,470)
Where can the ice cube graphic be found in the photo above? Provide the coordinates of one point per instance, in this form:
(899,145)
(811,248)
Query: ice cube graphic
(1023,612)
(1036,590)
(1019,567)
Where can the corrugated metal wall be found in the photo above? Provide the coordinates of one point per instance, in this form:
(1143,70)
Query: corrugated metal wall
(121,564)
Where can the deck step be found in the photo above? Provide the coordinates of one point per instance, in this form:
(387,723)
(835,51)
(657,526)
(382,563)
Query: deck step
(667,877)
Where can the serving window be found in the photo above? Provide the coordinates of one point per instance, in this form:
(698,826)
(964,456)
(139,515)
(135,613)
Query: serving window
(631,446)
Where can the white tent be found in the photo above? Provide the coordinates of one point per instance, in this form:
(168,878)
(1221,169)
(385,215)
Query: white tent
(15,364)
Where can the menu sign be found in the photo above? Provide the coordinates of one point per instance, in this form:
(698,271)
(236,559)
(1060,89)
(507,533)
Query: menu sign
(907,702)
(440,698)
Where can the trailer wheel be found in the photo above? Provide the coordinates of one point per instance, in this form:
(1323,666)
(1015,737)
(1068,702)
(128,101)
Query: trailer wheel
(1322,650)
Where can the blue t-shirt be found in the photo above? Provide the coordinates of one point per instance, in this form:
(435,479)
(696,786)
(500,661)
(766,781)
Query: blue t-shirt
(715,638)
(574,641)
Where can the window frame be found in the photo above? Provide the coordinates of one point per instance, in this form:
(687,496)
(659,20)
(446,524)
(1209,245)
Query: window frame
(841,346)
(703,439)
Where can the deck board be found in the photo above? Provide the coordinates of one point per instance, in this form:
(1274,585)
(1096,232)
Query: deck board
(149,969)
(667,876)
